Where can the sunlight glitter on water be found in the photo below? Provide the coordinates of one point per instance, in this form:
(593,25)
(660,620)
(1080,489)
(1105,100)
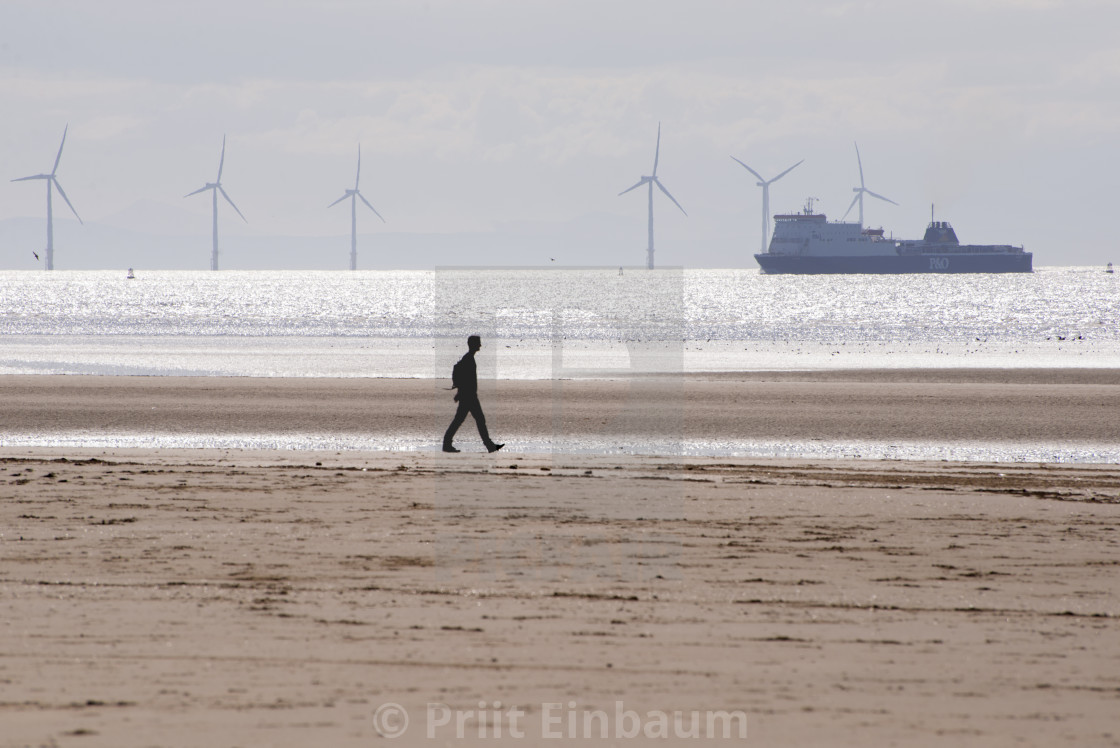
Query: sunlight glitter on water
(1061,310)
(513,359)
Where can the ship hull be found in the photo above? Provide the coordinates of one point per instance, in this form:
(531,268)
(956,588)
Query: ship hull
(779,264)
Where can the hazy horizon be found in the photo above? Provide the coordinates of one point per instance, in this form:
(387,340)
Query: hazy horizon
(517,124)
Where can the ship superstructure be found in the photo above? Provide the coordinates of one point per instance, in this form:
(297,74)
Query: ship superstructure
(808,243)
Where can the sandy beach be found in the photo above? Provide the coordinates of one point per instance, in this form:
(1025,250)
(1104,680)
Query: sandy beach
(164,597)
(1056,405)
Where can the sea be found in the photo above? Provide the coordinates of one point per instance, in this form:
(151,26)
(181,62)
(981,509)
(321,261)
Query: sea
(557,323)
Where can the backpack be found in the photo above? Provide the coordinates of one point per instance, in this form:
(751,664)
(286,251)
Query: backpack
(458,374)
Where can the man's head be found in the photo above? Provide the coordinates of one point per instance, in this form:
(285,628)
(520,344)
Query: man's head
(474,343)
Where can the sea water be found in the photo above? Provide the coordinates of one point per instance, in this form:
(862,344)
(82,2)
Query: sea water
(549,323)
(394,323)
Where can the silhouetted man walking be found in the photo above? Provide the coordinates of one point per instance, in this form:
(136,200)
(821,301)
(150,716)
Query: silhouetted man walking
(464,378)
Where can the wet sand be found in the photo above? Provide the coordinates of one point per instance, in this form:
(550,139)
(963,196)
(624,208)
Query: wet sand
(1059,406)
(194,597)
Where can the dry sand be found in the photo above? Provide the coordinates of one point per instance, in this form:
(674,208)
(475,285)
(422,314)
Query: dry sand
(236,598)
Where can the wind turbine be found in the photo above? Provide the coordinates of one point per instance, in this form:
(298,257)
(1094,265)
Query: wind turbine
(860,192)
(765,185)
(216,187)
(53,184)
(651,181)
(354,196)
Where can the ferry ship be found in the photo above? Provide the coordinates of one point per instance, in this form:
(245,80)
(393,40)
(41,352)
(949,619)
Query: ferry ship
(808,243)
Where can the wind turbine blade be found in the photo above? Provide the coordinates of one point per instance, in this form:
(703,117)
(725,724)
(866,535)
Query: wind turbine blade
(63,193)
(752,171)
(59,156)
(849,210)
(359,174)
(860,162)
(662,188)
(243,218)
(222,160)
(869,192)
(339,200)
(371,207)
(787,171)
(36,176)
(642,181)
(200,189)
(657,151)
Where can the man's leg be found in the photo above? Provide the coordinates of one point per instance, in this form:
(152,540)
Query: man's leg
(476,410)
(480,421)
(460,416)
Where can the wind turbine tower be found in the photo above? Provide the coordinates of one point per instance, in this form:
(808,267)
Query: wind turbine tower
(53,184)
(216,187)
(354,196)
(651,181)
(765,185)
(861,191)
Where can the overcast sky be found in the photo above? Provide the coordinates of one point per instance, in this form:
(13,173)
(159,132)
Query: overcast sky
(529,115)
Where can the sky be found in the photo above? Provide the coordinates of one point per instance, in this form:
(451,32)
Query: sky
(500,132)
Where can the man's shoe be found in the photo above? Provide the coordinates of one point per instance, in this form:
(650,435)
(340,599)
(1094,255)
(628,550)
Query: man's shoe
(494,447)
(449,448)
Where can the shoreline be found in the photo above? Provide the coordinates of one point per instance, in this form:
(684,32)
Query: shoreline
(750,413)
(1004,374)
(528,359)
